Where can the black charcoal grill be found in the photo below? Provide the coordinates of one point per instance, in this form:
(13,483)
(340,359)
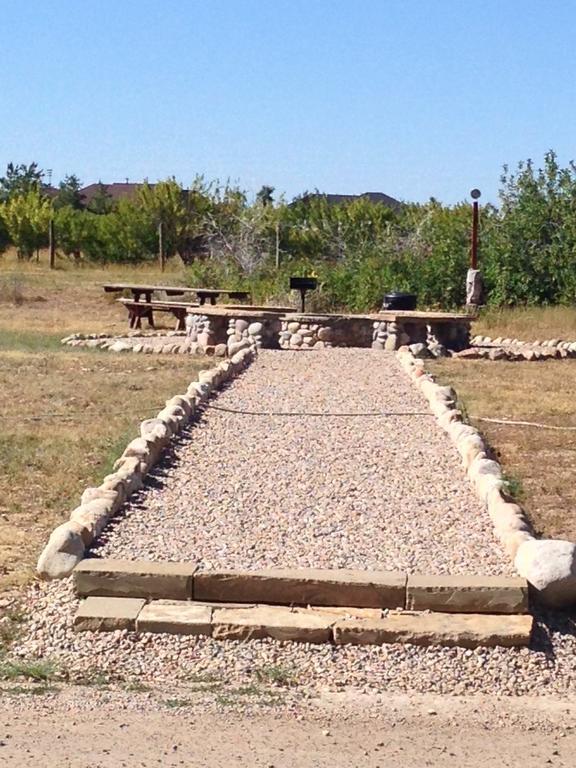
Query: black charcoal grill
(303,284)
(396,300)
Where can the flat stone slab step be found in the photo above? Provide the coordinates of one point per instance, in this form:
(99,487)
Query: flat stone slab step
(467,594)
(328,624)
(306,586)
(134,578)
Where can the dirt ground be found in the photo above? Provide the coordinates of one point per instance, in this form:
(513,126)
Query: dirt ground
(335,732)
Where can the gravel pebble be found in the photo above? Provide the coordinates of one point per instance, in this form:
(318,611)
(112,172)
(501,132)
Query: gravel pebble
(366,492)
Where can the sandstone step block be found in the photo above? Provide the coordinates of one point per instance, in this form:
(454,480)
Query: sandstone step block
(107,614)
(134,578)
(305,586)
(175,618)
(445,629)
(277,622)
(467,594)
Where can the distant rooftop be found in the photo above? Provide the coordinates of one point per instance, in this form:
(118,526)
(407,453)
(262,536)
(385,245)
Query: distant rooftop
(373,197)
(116,190)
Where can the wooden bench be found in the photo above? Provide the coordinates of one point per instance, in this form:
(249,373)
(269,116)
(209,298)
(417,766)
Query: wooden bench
(202,294)
(145,309)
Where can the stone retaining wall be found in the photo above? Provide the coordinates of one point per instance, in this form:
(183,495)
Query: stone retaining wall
(324,331)
(321,331)
(260,333)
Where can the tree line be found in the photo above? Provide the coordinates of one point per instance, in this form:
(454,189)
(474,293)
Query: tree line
(357,248)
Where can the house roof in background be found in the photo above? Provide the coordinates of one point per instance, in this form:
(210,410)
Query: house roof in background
(373,197)
(49,191)
(116,191)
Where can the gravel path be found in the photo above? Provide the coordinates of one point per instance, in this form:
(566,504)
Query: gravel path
(327,491)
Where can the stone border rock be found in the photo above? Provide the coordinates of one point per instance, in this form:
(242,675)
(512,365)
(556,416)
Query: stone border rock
(549,565)
(506,342)
(150,580)
(308,624)
(69,541)
(517,354)
(141,342)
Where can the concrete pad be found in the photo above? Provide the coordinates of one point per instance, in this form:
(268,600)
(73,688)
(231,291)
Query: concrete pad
(107,614)
(274,621)
(175,618)
(134,578)
(447,629)
(467,594)
(305,586)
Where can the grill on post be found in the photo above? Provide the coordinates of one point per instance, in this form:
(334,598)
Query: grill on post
(303,284)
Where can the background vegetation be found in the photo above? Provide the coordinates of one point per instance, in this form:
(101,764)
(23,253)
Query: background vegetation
(357,249)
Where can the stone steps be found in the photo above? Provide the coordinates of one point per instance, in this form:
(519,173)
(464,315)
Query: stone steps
(302,587)
(318,624)
(302,605)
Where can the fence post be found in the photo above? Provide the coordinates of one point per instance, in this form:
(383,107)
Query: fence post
(51,243)
(161,245)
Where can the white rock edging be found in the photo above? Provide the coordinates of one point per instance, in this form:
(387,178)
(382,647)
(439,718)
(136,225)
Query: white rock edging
(68,542)
(548,565)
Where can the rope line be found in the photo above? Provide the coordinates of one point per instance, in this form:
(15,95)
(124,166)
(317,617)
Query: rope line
(526,424)
(315,413)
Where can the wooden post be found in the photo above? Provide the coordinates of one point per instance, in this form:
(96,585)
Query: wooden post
(474,243)
(51,244)
(161,246)
(277,245)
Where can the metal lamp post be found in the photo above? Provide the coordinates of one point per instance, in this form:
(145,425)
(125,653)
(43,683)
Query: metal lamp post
(474,283)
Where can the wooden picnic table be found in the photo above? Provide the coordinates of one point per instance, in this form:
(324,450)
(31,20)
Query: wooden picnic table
(202,294)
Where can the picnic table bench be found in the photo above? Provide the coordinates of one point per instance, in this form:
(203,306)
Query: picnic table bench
(202,294)
(137,310)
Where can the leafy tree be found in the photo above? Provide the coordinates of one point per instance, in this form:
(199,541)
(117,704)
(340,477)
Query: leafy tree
(102,202)
(530,246)
(69,194)
(125,235)
(164,203)
(20,179)
(26,218)
(266,195)
(4,236)
(74,230)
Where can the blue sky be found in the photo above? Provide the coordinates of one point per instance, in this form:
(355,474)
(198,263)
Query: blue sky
(415,98)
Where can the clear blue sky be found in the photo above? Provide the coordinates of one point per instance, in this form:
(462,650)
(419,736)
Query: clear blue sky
(415,98)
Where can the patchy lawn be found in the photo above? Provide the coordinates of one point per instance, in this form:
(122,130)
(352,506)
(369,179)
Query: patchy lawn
(540,462)
(66,415)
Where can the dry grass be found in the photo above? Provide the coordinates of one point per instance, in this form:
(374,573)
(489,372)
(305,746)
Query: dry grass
(540,461)
(528,323)
(66,414)
(69,299)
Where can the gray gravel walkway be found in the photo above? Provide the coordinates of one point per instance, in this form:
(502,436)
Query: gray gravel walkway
(259,490)
(327,491)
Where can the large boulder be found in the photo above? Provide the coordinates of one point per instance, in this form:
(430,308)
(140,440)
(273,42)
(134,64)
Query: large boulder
(64,550)
(550,566)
